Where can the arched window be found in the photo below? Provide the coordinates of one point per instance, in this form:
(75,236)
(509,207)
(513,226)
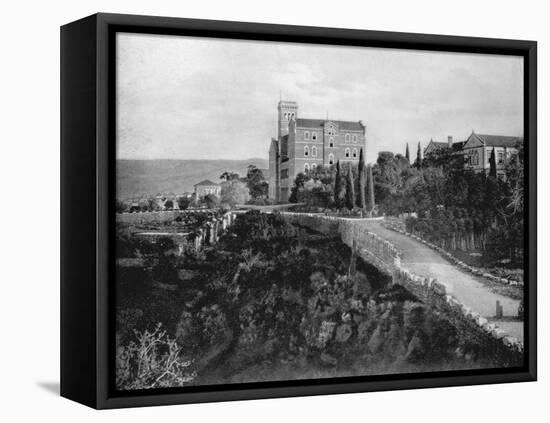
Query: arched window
(306,151)
(306,167)
(306,135)
(355,139)
(331,159)
(354,153)
(331,142)
(314,136)
(314,151)
(347,138)
(314,166)
(347,153)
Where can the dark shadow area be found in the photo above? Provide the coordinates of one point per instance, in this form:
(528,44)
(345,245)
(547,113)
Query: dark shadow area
(51,387)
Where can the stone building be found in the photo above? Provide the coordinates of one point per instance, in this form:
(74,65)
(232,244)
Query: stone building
(206,187)
(434,146)
(477,151)
(478,148)
(303,144)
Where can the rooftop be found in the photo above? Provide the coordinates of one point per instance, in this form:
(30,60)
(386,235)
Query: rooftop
(498,140)
(206,182)
(320,123)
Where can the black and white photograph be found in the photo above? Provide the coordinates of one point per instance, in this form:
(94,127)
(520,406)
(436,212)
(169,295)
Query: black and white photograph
(294,211)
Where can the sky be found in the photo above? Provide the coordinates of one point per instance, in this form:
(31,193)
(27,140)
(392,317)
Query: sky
(200,98)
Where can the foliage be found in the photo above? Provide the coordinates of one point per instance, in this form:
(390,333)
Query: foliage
(184,202)
(234,192)
(350,188)
(152,360)
(121,206)
(418,161)
(211,200)
(256,183)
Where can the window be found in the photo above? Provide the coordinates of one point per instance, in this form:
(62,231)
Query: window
(284,173)
(331,130)
(314,166)
(306,135)
(347,138)
(306,167)
(314,136)
(314,151)
(354,138)
(354,153)
(306,151)
(474,157)
(331,142)
(331,159)
(347,153)
(500,158)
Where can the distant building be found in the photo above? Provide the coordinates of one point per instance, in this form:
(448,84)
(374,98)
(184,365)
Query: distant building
(304,144)
(434,146)
(207,187)
(478,148)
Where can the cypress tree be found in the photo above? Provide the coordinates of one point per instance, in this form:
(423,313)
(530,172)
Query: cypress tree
(361,170)
(350,189)
(370,190)
(418,161)
(338,187)
(407,154)
(493,164)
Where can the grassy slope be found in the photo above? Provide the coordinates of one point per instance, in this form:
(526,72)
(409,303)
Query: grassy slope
(151,177)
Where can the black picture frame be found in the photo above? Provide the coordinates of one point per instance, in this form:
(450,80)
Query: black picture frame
(87,207)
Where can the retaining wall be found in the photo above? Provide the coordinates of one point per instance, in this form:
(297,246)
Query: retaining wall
(154,216)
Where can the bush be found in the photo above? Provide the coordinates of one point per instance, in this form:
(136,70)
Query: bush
(261,202)
(152,361)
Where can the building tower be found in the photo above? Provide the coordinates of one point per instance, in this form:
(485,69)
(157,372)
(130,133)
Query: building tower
(288,110)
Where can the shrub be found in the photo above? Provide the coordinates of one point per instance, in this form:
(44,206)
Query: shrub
(153,360)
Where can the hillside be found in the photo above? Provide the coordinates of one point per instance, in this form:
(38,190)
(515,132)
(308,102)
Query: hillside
(150,177)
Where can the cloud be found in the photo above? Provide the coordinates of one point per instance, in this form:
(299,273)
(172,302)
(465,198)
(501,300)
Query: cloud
(184,97)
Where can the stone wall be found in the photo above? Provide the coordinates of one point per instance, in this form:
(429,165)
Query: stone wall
(154,216)
(369,246)
(471,327)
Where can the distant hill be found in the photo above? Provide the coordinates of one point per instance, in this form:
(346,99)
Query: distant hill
(150,177)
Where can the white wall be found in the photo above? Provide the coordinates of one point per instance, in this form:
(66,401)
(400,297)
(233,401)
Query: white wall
(30,239)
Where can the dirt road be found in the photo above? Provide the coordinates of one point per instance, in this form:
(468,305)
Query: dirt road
(467,288)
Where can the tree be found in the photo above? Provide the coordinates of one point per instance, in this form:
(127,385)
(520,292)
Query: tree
(299,181)
(184,202)
(211,201)
(350,189)
(370,190)
(121,206)
(234,192)
(493,164)
(255,181)
(418,161)
(407,154)
(338,194)
(229,176)
(361,170)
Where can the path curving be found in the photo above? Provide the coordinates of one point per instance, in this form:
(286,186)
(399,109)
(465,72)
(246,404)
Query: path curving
(467,288)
